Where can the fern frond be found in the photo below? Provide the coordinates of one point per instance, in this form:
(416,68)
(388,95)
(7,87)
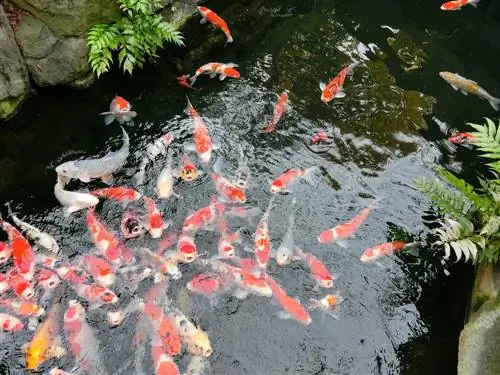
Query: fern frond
(487,140)
(443,199)
(454,235)
(491,227)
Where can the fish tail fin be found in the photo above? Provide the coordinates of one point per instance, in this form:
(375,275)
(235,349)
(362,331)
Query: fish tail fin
(189,107)
(129,115)
(312,175)
(109,118)
(192,80)
(9,211)
(474,4)
(352,66)
(495,103)
(125,137)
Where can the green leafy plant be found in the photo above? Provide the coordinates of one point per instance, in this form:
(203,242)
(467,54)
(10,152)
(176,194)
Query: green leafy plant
(469,222)
(136,36)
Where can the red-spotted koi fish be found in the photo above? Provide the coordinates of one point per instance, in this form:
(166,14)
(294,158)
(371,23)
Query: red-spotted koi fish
(263,240)
(21,287)
(72,274)
(22,308)
(204,217)
(23,254)
(216,21)
(83,343)
(104,240)
(375,252)
(118,193)
(344,230)
(335,88)
(95,294)
(460,138)
(10,323)
(119,109)
(279,110)
(163,363)
(186,249)
(5,252)
(158,147)
(208,286)
(328,304)
(183,81)
(132,224)
(227,190)
(102,272)
(225,246)
(202,141)
(319,272)
(468,86)
(189,172)
(291,306)
(288,178)
(214,68)
(155,223)
(458,4)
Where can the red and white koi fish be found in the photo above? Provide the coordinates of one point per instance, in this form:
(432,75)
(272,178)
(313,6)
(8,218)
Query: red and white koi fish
(23,254)
(214,68)
(163,363)
(21,287)
(104,240)
(5,252)
(118,193)
(335,88)
(216,21)
(460,138)
(155,223)
(328,304)
(95,294)
(84,345)
(263,240)
(72,274)
(319,272)
(225,246)
(132,224)
(49,280)
(102,272)
(291,306)
(321,138)
(202,141)
(279,110)
(208,286)
(166,264)
(189,172)
(373,253)
(344,230)
(10,323)
(158,147)
(248,264)
(204,217)
(22,308)
(183,81)
(283,182)
(458,4)
(119,109)
(116,317)
(227,190)
(186,249)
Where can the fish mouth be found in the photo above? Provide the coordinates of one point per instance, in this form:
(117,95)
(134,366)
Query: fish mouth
(207,352)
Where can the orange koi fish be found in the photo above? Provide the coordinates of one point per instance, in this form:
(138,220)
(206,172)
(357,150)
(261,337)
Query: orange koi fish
(227,190)
(104,240)
(202,141)
(102,272)
(283,182)
(119,109)
(186,249)
(328,304)
(225,245)
(373,253)
(163,363)
(319,272)
(183,81)
(207,285)
(21,287)
(188,171)
(458,4)
(155,224)
(279,110)
(344,230)
(459,138)
(23,254)
(204,216)
(216,21)
(214,68)
(335,88)
(263,240)
(23,308)
(95,294)
(119,193)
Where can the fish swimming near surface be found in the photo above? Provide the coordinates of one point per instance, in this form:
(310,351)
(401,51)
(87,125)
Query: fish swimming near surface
(188,172)
(458,4)
(214,68)
(285,252)
(279,110)
(335,88)
(73,200)
(467,86)
(103,168)
(461,138)
(202,142)
(165,181)
(183,81)
(216,21)
(287,178)
(328,304)
(119,109)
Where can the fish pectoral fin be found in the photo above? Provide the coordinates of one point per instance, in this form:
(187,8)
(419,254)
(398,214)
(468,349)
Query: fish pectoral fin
(222,77)
(340,94)
(203,20)
(108,179)
(84,177)
(464,92)
(454,87)
(322,86)
(213,74)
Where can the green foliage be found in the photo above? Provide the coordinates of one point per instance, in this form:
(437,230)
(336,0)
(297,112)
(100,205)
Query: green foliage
(470,221)
(136,36)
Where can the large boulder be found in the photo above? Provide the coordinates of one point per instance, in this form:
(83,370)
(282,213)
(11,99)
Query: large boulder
(14,83)
(71,17)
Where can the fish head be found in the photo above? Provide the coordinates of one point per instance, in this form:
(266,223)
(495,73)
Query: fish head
(326,283)
(226,249)
(74,313)
(106,279)
(107,296)
(283,256)
(237,195)
(232,73)
(447,76)
(48,279)
(203,10)
(68,169)
(115,317)
(326,96)
(200,344)
(367,256)
(35,355)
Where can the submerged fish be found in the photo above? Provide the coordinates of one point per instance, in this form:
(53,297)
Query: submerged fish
(119,109)
(214,68)
(216,21)
(458,4)
(73,200)
(279,110)
(202,141)
(335,88)
(165,182)
(103,168)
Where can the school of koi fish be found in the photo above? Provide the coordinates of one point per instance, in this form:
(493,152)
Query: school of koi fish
(36,271)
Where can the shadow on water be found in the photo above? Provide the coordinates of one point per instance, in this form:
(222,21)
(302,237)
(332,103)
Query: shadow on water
(401,316)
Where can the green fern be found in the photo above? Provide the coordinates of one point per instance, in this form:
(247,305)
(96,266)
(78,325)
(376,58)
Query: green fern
(487,140)
(459,237)
(136,36)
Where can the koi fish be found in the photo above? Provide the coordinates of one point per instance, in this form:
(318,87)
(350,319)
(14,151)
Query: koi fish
(21,287)
(229,192)
(84,345)
(216,21)
(95,294)
(335,88)
(132,224)
(279,110)
(242,174)
(158,147)
(188,171)
(22,308)
(319,272)
(119,109)
(103,239)
(183,81)
(225,245)
(284,254)
(48,279)
(328,304)
(10,323)
(320,137)
(467,86)
(46,342)
(155,223)
(5,252)
(186,249)
(214,68)
(263,240)
(458,4)
(73,200)
(204,217)
(372,253)
(42,239)
(163,363)
(118,193)
(72,274)
(22,253)
(208,286)
(460,138)
(202,141)
(102,272)
(103,168)
(165,182)
(283,182)
(291,306)
(167,265)
(344,230)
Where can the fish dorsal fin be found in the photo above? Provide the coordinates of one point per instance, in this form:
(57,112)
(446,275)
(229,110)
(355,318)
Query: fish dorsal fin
(322,86)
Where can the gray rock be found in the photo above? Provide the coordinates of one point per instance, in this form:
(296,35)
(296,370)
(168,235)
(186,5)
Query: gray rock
(71,17)
(66,63)
(34,38)
(14,82)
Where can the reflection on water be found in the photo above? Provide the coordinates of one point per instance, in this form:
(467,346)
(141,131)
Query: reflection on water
(401,316)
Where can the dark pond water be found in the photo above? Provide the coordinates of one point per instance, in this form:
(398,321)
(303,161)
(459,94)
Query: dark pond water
(401,316)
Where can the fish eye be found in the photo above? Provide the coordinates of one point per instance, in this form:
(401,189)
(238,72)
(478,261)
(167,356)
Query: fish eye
(51,283)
